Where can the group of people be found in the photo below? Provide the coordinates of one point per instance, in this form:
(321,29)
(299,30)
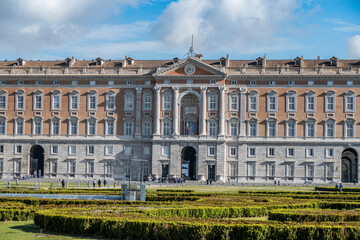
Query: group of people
(99,182)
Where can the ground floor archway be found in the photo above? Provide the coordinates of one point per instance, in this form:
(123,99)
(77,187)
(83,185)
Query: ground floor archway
(349,165)
(37,161)
(188,163)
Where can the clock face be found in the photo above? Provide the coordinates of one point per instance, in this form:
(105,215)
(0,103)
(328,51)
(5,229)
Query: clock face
(190,69)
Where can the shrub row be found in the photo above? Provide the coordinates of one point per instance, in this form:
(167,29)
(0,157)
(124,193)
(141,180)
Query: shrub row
(16,214)
(332,189)
(175,190)
(145,229)
(208,212)
(313,216)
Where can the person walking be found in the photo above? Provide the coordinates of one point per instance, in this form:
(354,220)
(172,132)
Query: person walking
(105,182)
(63,183)
(94,183)
(341,187)
(99,183)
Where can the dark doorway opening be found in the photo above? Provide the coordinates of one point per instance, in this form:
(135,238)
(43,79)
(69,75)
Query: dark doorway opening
(37,161)
(349,165)
(188,163)
(165,171)
(211,172)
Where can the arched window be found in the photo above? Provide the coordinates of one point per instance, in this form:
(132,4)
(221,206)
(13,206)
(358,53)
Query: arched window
(233,127)
(212,100)
(329,128)
(291,127)
(147,101)
(38,100)
(110,100)
(310,127)
(291,101)
(37,125)
(74,100)
(310,101)
(330,101)
(91,126)
(55,126)
(349,128)
(253,101)
(147,127)
(252,127)
(55,99)
(110,126)
(20,100)
(271,127)
(234,101)
(73,126)
(92,100)
(129,101)
(3,121)
(166,100)
(271,101)
(3,100)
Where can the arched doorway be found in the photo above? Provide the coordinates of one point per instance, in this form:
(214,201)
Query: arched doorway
(349,165)
(188,163)
(37,161)
(189,115)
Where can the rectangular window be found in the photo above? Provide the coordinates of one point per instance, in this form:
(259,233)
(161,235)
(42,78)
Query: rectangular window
(147,102)
(252,169)
(111,83)
(129,82)
(233,170)
(330,129)
(211,151)
(72,149)
(37,127)
(18,149)
(2,149)
(108,168)
(253,83)
(330,103)
(110,128)
(147,128)
(166,128)
(290,170)
(146,150)
(309,152)
(349,103)
(272,103)
(253,129)
(90,168)
(253,103)
(38,102)
(271,152)
(55,127)
(128,150)
(128,128)
(2,126)
(166,150)
(272,129)
(17,166)
(311,103)
(252,152)
(167,102)
(74,82)
(72,167)
(56,102)
(56,82)
(310,129)
(73,127)
(54,149)
(92,127)
(90,150)
(212,129)
(129,102)
(212,81)
(38,82)
(291,103)
(92,83)
(54,166)
(2,102)
(330,170)
(212,102)
(290,152)
(291,129)
(329,152)
(21,82)
(233,103)
(271,170)
(20,102)
(233,129)
(349,129)
(92,102)
(74,102)
(110,102)
(310,171)
(232,151)
(19,127)
(109,150)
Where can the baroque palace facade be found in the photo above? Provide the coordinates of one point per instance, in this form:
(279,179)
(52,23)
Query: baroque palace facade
(260,120)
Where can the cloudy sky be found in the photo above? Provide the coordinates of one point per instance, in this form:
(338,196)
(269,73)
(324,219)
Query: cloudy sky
(162,29)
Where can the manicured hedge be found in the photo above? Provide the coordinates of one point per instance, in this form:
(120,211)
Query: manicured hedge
(175,190)
(332,189)
(146,229)
(314,215)
(16,214)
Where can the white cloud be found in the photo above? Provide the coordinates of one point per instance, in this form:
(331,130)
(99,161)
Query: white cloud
(30,26)
(238,25)
(354,47)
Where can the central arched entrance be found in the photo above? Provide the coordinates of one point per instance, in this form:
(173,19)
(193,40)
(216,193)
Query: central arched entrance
(188,163)
(349,165)
(37,161)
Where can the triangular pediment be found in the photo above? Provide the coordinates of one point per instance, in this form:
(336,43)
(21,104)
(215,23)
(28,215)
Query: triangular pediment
(189,67)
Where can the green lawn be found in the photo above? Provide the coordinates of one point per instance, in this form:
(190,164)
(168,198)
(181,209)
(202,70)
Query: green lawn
(28,231)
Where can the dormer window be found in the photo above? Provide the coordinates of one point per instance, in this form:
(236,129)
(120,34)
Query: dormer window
(99,61)
(298,61)
(222,61)
(21,62)
(129,60)
(259,61)
(333,61)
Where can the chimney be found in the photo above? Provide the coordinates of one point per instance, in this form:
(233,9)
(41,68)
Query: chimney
(70,62)
(176,60)
(264,61)
(227,62)
(199,56)
(99,61)
(21,62)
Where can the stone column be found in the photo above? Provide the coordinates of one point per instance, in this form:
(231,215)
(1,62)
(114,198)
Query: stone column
(242,111)
(176,111)
(222,112)
(157,111)
(138,112)
(203,112)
